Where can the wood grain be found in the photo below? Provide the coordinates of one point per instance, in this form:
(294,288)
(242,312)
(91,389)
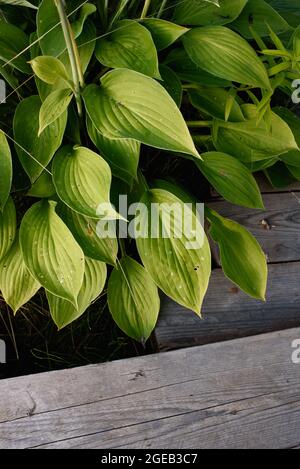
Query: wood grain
(236,394)
(276,228)
(228,313)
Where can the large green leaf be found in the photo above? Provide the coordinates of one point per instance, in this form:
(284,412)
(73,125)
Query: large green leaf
(259,15)
(242,258)
(36,152)
(178,261)
(8,227)
(202,13)
(63,312)
(224,53)
(251,141)
(54,106)
(131,105)
(51,253)
(231,179)
(131,46)
(82,180)
(179,61)
(89,235)
(5,170)
(164,33)
(213,101)
(133,299)
(122,155)
(16,283)
(13,41)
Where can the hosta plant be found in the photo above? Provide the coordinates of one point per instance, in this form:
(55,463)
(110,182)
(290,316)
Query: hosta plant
(106,99)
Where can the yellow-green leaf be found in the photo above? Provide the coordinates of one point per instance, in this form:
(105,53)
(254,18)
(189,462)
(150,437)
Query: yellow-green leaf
(131,105)
(133,299)
(242,258)
(5,170)
(179,263)
(8,227)
(82,180)
(53,107)
(51,253)
(222,52)
(17,285)
(64,313)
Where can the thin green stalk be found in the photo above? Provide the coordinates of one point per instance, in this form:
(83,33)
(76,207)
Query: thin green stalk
(146,8)
(122,6)
(199,123)
(162,8)
(72,51)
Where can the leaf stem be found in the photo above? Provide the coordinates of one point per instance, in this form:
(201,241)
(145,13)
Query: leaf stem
(146,8)
(199,123)
(162,8)
(73,53)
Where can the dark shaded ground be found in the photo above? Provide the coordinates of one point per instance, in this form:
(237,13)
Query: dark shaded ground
(34,345)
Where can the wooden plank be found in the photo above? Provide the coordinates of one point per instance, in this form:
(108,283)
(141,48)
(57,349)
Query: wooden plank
(228,313)
(236,394)
(276,228)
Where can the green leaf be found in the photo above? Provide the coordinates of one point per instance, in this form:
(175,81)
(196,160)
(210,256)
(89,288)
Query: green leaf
(259,15)
(242,258)
(172,84)
(13,41)
(280,176)
(5,170)
(54,106)
(251,141)
(43,187)
(21,3)
(164,33)
(64,313)
(179,263)
(122,155)
(49,69)
(82,180)
(213,101)
(8,227)
(133,299)
(16,283)
(88,233)
(231,179)
(187,70)
(85,11)
(51,253)
(223,53)
(291,158)
(131,46)
(34,152)
(131,105)
(202,13)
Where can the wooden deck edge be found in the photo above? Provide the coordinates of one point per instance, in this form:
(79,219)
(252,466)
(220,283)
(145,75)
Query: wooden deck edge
(236,394)
(228,313)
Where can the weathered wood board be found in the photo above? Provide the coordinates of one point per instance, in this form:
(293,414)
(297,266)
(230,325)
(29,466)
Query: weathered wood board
(228,313)
(235,394)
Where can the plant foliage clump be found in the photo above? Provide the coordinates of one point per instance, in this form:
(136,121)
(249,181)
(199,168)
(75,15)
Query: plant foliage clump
(98,88)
